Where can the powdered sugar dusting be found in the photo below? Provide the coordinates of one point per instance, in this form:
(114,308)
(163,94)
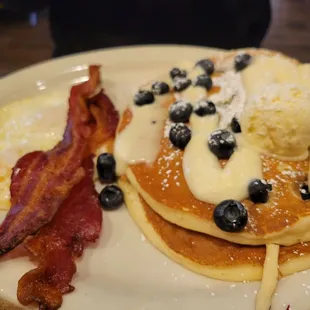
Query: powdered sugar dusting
(169,169)
(168,125)
(230,100)
(201,104)
(286,178)
(181,104)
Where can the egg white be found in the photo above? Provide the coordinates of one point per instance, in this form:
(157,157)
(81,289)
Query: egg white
(28,125)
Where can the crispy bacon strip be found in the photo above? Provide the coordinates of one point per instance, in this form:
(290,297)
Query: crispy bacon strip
(77,222)
(41,181)
(60,180)
(105,117)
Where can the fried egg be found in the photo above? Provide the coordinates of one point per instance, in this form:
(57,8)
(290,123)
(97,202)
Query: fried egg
(28,125)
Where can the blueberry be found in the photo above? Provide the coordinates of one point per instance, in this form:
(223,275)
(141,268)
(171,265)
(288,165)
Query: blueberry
(180,84)
(180,112)
(304,192)
(207,65)
(235,125)
(176,72)
(180,135)
(230,216)
(222,143)
(203,80)
(160,88)
(204,107)
(144,97)
(242,61)
(106,167)
(111,197)
(259,191)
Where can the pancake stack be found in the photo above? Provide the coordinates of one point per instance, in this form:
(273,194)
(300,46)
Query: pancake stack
(213,162)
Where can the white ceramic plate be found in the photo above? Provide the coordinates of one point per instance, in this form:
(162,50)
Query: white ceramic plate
(124,271)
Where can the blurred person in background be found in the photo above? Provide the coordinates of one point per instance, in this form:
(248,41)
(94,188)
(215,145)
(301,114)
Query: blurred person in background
(82,25)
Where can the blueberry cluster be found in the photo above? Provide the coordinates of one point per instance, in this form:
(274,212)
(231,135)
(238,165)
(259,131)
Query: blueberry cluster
(204,80)
(179,133)
(182,82)
(231,215)
(144,97)
(111,197)
(179,78)
(180,113)
(177,73)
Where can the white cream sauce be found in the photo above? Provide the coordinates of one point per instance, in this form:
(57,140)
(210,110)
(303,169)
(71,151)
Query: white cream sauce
(203,173)
(140,140)
(192,94)
(224,63)
(270,277)
(205,177)
(207,180)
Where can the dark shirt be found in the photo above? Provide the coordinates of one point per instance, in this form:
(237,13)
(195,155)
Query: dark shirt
(78,25)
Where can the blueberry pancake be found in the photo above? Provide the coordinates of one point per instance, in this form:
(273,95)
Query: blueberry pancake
(207,255)
(221,147)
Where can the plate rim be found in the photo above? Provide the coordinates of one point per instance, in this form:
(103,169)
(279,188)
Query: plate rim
(76,58)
